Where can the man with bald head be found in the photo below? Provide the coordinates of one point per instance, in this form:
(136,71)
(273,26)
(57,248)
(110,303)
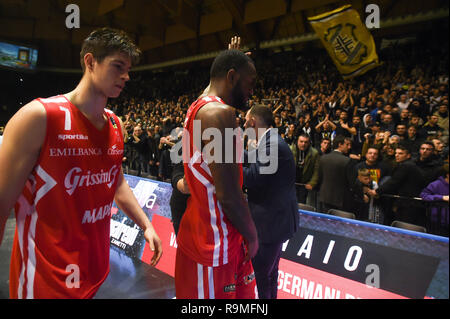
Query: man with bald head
(217,236)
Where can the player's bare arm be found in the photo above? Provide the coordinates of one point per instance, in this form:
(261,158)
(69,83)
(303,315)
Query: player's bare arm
(226,175)
(22,140)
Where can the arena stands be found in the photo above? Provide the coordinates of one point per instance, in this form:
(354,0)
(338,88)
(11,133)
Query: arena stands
(402,102)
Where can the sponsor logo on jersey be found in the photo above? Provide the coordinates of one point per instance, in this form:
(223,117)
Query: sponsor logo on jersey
(114,150)
(76,178)
(72,137)
(63,152)
(229,288)
(96,214)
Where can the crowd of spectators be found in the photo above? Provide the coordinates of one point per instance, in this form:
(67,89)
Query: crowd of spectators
(401,106)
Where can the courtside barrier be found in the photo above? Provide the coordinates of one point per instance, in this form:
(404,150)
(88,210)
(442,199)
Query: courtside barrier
(328,258)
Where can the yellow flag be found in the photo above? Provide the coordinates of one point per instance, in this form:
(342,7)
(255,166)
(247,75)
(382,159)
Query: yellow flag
(347,40)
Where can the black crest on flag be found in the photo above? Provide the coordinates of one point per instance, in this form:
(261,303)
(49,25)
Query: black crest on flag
(348,50)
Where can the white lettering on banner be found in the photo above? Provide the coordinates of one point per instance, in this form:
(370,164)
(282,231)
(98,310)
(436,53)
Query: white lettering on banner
(77,178)
(307,289)
(57,152)
(123,233)
(72,137)
(118,243)
(306,247)
(354,250)
(287,282)
(352,258)
(283,248)
(328,253)
(96,214)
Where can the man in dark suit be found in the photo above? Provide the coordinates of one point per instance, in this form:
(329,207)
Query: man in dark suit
(335,172)
(270,180)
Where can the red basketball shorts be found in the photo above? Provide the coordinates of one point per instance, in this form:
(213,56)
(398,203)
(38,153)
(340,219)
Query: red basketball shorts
(235,280)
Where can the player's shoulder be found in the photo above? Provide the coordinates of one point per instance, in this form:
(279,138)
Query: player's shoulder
(216,111)
(28,124)
(34,109)
(217,108)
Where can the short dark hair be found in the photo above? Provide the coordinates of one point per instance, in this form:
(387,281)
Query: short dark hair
(106,41)
(264,113)
(363,172)
(227,60)
(375,147)
(304,135)
(404,148)
(427,143)
(339,140)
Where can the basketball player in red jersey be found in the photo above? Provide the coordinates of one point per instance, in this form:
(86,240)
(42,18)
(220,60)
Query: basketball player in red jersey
(60,163)
(217,236)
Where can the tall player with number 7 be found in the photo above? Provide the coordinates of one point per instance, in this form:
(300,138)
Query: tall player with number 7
(60,168)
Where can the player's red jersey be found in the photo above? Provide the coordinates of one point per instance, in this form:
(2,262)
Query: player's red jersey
(206,235)
(61,243)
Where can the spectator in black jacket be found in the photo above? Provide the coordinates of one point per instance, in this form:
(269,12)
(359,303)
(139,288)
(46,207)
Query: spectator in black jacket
(344,127)
(360,197)
(413,141)
(153,152)
(440,149)
(387,123)
(407,181)
(428,163)
(138,141)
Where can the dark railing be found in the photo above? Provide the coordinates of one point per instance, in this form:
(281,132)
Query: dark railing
(437,225)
